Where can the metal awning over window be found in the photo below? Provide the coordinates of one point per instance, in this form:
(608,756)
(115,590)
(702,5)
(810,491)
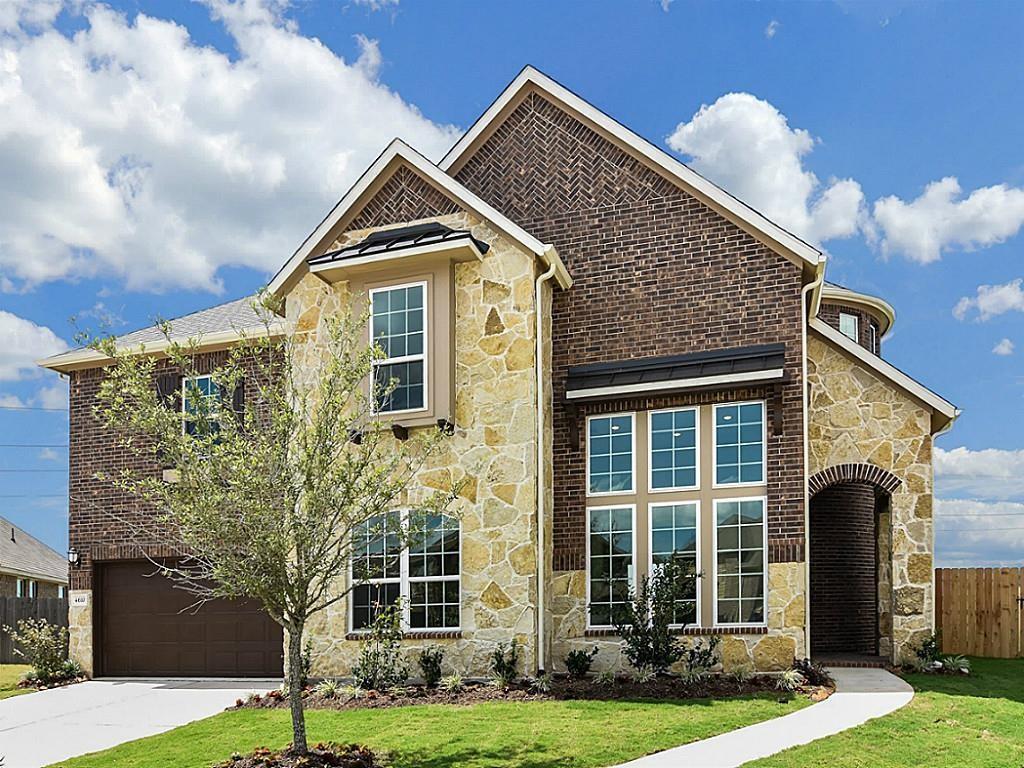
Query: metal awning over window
(389,241)
(656,375)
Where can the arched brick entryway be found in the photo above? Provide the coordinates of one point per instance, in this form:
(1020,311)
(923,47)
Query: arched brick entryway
(849,558)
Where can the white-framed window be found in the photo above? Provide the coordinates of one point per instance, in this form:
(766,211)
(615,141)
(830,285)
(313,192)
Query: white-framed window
(674,439)
(33,589)
(62,591)
(398,325)
(873,337)
(739,444)
(205,388)
(21,588)
(741,543)
(425,575)
(849,325)
(611,454)
(675,536)
(611,558)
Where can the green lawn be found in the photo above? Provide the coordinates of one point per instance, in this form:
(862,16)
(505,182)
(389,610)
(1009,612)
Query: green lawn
(550,734)
(10,674)
(968,722)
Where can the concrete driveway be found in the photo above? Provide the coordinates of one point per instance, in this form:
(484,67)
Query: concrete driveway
(38,729)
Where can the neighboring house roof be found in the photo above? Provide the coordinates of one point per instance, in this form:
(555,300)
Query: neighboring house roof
(764,362)
(21,554)
(215,326)
(402,238)
(944,413)
(876,306)
(711,194)
(400,152)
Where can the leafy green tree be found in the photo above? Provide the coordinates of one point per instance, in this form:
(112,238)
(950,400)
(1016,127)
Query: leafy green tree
(275,466)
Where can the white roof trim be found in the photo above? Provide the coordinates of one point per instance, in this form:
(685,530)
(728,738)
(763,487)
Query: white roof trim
(657,157)
(884,308)
(399,149)
(676,384)
(937,403)
(89,358)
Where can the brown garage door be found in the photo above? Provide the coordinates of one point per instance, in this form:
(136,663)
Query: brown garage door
(144,633)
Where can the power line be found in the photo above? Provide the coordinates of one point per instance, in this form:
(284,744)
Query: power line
(978,530)
(969,516)
(33,470)
(32,495)
(31,408)
(33,445)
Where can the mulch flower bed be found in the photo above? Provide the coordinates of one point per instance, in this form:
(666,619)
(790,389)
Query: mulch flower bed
(319,756)
(35,685)
(562,689)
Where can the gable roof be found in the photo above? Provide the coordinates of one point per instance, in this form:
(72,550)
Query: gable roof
(22,554)
(213,326)
(709,193)
(398,152)
(944,413)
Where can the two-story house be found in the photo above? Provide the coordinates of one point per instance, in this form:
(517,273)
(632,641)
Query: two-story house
(637,366)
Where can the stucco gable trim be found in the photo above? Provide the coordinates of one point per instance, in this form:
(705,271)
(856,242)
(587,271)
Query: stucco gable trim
(709,193)
(400,152)
(944,413)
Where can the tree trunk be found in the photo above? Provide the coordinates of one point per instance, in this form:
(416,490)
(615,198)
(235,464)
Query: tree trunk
(295,675)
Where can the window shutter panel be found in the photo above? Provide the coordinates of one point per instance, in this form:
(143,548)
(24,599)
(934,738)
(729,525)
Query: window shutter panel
(238,403)
(168,391)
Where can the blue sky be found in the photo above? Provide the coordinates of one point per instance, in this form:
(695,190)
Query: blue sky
(168,156)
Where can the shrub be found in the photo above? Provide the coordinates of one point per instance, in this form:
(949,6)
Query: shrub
(329,689)
(606,677)
(645,626)
(380,665)
(505,664)
(812,672)
(45,647)
(743,673)
(352,692)
(577,662)
(430,665)
(956,664)
(453,683)
(542,683)
(789,680)
(643,675)
(929,650)
(701,657)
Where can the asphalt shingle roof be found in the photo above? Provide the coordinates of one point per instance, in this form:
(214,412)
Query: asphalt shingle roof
(24,555)
(232,315)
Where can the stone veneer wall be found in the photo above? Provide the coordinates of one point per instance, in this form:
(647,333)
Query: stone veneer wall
(493,449)
(857,417)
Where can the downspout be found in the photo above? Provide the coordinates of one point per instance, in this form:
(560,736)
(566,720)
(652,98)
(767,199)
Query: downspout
(811,289)
(541,490)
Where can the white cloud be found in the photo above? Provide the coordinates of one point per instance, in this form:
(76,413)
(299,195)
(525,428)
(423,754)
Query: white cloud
(24,342)
(1004,348)
(377,5)
(990,473)
(130,150)
(970,532)
(53,396)
(48,454)
(941,219)
(992,300)
(11,401)
(747,146)
(771,29)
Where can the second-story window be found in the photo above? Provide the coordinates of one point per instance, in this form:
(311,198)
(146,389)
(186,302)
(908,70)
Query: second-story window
(848,326)
(398,327)
(200,403)
(610,454)
(739,444)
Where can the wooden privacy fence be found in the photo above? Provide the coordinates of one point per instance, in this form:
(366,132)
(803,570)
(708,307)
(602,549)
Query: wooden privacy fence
(14,609)
(978,610)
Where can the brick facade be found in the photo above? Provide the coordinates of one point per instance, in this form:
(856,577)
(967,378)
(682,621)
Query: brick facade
(844,615)
(105,523)
(403,197)
(829,313)
(656,273)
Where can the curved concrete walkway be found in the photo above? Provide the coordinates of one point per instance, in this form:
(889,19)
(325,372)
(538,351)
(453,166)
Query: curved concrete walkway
(861,695)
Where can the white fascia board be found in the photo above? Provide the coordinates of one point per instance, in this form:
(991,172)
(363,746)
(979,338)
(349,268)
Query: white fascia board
(771,374)
(685,175)
(887,370)
(399,149)
(88,358)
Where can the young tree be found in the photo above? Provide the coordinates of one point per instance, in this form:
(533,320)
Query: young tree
(279,460)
